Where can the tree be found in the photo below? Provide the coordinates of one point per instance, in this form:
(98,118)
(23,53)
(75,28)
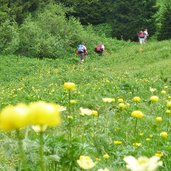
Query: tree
(130,16)
(165,30)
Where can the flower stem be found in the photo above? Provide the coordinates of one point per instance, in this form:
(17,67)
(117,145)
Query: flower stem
(41,151)
(21,150)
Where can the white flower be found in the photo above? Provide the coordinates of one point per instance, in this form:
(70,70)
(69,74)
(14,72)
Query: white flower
(105,169)
(142,163)
(85,111)
(85,162)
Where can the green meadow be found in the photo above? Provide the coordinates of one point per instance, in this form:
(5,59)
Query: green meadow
(128,70)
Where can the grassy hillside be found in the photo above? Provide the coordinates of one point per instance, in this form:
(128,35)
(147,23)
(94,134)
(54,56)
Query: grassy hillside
(129,71)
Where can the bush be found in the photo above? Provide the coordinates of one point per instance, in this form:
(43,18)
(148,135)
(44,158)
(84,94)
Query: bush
(9,37)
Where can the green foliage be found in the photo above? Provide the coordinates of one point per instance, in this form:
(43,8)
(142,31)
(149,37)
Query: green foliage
(165,29)
(125,73)
(9,37)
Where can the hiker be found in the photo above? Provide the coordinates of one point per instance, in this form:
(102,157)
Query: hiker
(99,49)
(146,35)
(141,37)
(82,51)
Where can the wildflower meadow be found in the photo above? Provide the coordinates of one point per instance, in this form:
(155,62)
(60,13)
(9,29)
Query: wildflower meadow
(110,113)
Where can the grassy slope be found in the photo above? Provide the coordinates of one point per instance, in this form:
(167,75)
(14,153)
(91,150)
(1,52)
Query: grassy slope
(125,73)
(153,61)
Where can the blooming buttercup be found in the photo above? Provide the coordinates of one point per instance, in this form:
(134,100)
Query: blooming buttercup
(164,134)
(154,98)
(142,163)
(85,162)
(69,86)
(136,99)
(137,114)
(14,117)
(43,113)
(108,100)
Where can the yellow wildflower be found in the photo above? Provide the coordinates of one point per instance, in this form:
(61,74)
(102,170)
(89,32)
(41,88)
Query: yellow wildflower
(137,144)
(154,98)
(106,156)
(169,104)
(136,99)
(159,154)
(164,134)
(137,114)
(43,113)
(69,86)
(163,92)
(73,101)
(120,100)
(159,119)
(39,128)
(168,111)
(117,142)
(14,117)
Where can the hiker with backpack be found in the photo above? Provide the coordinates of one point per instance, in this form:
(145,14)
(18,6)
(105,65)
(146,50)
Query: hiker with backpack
(99,49)
(82,51)
(141,37)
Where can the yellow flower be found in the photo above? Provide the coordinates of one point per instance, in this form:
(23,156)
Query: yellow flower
(141,134)
(117,142)
(137,114)
(169,104)
(85,162)
(43,113)
(159,154)
(14,117)
(69,86)
(137,144)
(164,134)
(70,117)
(142,163)
(108,100)
(120,100)
(39,128)
(122,105)
(73,101)
(159,119)
(163,92)
(106,156)
(136,99)
(94,113)
(148,139)
(154,98)
(168,111)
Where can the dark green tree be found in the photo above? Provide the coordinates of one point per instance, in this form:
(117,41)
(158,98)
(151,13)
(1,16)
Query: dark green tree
(130,16)
(165,30)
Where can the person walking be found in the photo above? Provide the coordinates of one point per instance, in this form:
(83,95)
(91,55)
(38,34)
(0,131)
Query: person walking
(141,37)
(82,51)
(100,49)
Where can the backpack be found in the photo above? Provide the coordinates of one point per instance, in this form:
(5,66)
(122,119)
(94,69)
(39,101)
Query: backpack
(81,48)
(141,34)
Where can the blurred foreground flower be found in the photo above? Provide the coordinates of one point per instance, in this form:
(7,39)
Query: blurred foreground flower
(69,86)
(38,128)
(105,169)
(85,162)
(43,113)
(169,104)
(14,117)
(142,163)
